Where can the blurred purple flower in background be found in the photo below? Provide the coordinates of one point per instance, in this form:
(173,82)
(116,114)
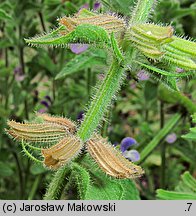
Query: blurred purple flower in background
(126,143)
(171,138)
(132,155)
(19,75)
(97,5)
(42,110)
(86,6)
(142,75)
(80,116)
(47,102)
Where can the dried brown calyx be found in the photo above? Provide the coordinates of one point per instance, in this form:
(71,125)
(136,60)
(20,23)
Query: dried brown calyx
(61,153)
(110,160)
(110,23)
(65,145)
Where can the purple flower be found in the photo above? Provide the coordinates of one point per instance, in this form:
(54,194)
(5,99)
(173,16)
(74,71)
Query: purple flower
(42,110)
(80,116)
(142,75)
(97,5)
(78,48)
(85,6)
(48,98)
(19,75)
(132,155)
(45,103)
(133,85)
(179,70)
(126,143)
(171,138)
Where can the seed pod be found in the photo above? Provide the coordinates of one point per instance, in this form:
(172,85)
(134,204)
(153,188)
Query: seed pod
(68,124)
(45,133)
(110,23)
(110,160)
(61,153)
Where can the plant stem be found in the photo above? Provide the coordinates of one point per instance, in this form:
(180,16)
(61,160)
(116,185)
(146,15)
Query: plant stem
(89,73)
(34,187)
(141,11)
(57,184)
(163,147)
(103,97)
(101,101)
(42,21)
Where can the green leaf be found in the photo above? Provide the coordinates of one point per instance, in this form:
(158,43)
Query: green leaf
(166,73)
(37,169)
(116,49)
(167,96)
(5,170)
(84,33)
(4,15)
(83,61)
(188,179)
(192,134)
(159,136)
(150,91)
(130,190)
(81,179)
(185,190)
(104,187)
(171,195)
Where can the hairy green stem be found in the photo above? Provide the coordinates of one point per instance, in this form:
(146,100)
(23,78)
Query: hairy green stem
(56,186)
(141,11)
(102,99)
